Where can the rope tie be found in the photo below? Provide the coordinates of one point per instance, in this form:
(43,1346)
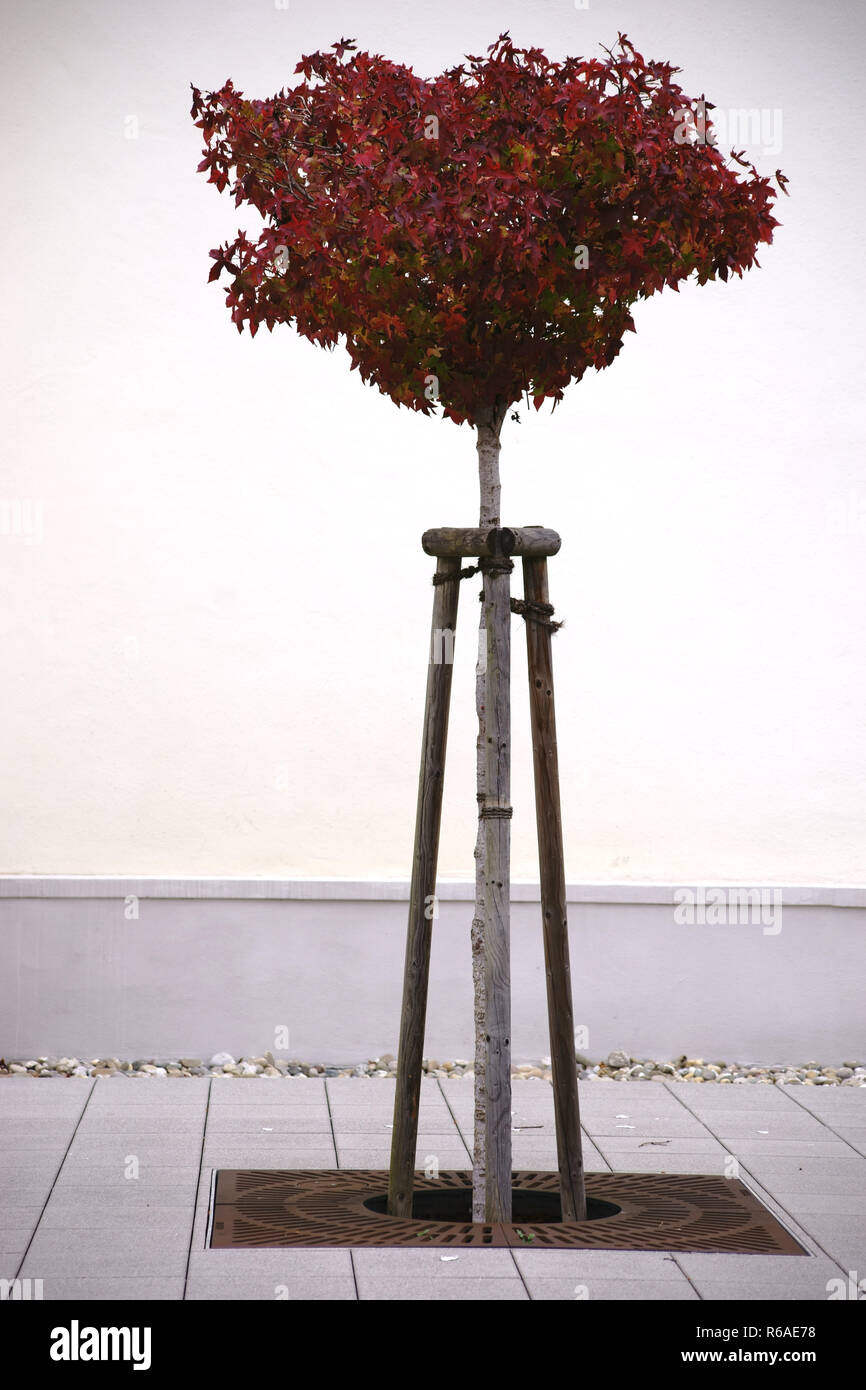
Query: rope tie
(461,574)
(495,564)
(532,612)
(496,812)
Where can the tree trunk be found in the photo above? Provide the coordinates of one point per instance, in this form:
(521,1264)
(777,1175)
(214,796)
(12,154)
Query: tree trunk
(491,1178)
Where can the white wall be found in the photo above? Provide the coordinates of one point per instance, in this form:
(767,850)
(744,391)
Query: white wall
(204,672)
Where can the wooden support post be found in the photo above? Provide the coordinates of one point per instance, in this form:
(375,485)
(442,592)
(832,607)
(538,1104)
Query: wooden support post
(495,827)
(489,541)
(421,898)
(553,905)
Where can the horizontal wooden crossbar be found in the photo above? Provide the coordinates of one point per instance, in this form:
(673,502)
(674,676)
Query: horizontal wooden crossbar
(502,540)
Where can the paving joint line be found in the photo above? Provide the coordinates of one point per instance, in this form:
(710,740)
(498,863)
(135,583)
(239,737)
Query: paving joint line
(354,1275)
(54,1180)
(743,1167)
(686,1275)
(602,1155)
(333,1133)
(197,1190)
(337,1161)
(454,1118)
(829,1127)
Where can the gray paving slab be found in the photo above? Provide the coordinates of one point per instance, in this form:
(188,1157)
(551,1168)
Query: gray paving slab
(645,1126)
(583,1265)
(24,1164)
(633,1102)
(25,1193)
(117,1182)
(154,1177)
(254,1121)
(797,1271)
(626,1097)
(179,1102)
(303,1160)
(162,1148)
(15,1241)
(268,1101)
(776,1114)
(182,1123)
(774,1290)
(604,1290)
(764,1146)
(261,1287)
(681,1144)
(16,1129)
(130,1240)
(287,1263)
(265,1142)
(852,1135)
(432,1105)
(91,1214)
(379,1159)
(710,1095)
(289,1156)
(831,1175)
(789,1126)
(831,1097)
(396,1290)
(285,1091)
(356,1091)
(44,1147)
(436,1263)
(375,1125)
(12,1216)
(545,1159)
(842,1236)
(23,1094)
(149,1116)
(378,1139)
(663,1162)
(49,1256)
(802,1204)
(169,1086)
(102,1287)
(839,1121)
(528,1142)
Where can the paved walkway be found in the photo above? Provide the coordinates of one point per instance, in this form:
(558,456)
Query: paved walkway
(104,1185)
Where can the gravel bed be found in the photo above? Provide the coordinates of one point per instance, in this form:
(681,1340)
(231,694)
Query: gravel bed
(618,1066)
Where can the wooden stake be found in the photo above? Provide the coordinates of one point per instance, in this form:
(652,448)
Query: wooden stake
(422,893)
(553,905)
(495,835)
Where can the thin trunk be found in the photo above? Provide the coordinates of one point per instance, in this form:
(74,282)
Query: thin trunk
(491,1200)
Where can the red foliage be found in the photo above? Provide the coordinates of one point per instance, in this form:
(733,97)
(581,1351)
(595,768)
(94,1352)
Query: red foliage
(436,225)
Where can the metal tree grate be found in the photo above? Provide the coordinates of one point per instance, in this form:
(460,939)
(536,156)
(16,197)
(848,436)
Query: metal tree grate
(650,1211)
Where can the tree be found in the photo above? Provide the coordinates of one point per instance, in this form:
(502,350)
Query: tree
(474,239)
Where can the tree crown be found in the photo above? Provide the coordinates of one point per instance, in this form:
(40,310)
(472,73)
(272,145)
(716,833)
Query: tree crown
(486,230)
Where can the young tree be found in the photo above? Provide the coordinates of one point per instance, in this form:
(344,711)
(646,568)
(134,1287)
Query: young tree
(476,239)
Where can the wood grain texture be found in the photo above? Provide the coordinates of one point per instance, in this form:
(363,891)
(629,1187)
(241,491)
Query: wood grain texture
(553,901)
(495,834)
(491,1169)
(423,887)
(491,540)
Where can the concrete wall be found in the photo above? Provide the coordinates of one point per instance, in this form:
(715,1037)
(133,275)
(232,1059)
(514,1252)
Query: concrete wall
(220,964)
